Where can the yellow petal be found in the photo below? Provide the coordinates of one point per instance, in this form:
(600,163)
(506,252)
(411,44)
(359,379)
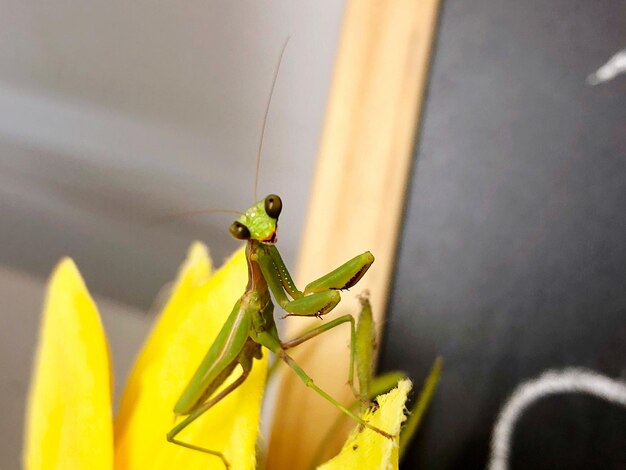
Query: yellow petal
(68,423)
(368,450)
(187,327)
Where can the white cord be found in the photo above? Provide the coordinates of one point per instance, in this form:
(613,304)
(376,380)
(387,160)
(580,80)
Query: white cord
(613,67)
(551,382)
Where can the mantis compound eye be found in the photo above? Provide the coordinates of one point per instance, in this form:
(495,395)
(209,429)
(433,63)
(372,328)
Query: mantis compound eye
(273,206)
(239,231)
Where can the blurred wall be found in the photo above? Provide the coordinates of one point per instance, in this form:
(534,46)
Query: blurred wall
(116,114)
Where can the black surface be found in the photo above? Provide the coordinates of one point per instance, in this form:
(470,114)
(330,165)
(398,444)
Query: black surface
(513,256)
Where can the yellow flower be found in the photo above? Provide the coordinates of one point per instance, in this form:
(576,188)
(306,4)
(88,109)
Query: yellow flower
(69,419)
(366,449)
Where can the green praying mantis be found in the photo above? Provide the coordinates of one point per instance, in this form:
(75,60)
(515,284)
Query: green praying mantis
(251,324)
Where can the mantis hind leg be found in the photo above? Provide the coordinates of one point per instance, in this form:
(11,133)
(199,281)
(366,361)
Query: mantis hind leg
(171,436)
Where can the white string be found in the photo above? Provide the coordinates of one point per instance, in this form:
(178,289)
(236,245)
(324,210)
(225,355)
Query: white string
(551,382)
(611,69)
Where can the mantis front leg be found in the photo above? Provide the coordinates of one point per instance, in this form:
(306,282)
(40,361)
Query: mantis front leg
(320,296)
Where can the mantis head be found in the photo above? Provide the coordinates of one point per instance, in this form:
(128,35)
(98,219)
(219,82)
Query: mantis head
(259,222)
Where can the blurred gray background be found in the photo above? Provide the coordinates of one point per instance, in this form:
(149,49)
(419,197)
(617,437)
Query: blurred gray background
(116,114)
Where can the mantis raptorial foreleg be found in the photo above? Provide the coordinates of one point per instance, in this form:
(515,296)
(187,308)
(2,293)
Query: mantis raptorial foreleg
(320,296)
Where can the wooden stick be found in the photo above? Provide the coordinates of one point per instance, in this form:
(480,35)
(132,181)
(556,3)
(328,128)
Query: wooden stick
(358,196)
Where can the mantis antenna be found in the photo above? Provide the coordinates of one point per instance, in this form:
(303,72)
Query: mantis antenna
(258,156)
(180,215)
(267,111)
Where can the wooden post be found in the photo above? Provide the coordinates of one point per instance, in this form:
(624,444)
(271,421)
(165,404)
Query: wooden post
(357,199)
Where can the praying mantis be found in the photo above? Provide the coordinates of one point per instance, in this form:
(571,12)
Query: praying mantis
(251,325)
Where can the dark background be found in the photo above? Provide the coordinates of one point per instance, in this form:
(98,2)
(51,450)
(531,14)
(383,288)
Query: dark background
(513,255)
